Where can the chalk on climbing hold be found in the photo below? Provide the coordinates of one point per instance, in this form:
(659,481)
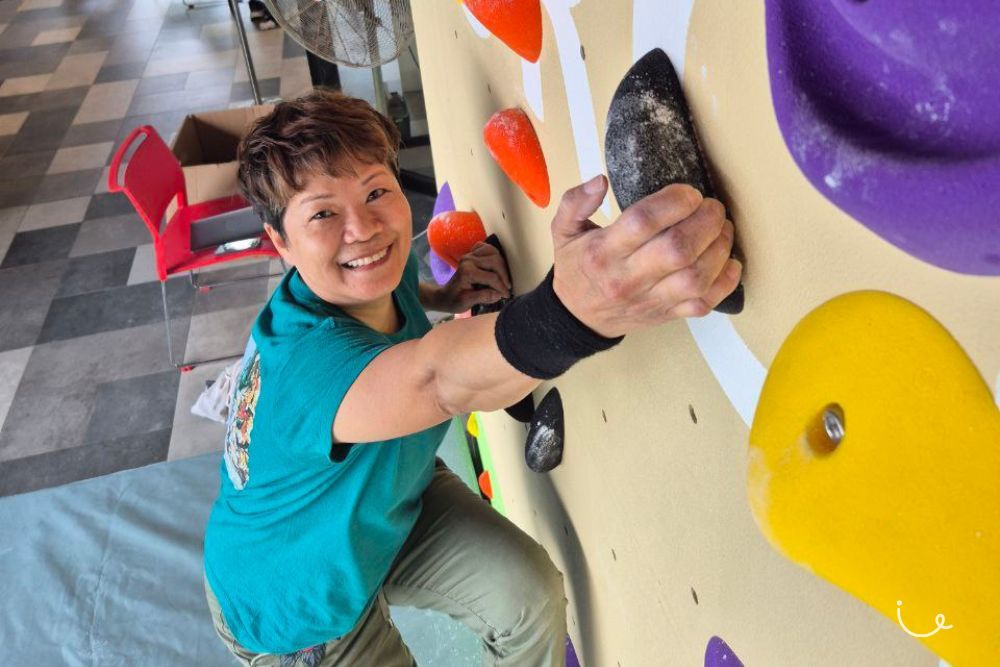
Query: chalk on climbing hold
(875,466)
(514,145)
(543,449)
(516,23)
(651,141)
(453,233)
(890,110)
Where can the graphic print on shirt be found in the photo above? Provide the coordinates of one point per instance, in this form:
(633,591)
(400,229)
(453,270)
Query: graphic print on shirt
(245,396)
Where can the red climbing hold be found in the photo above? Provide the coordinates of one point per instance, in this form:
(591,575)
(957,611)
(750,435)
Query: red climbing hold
(453,233)
(513,143)
(516,23)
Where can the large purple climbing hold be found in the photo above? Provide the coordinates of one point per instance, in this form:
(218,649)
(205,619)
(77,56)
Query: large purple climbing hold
(651,141)
(543,449)
(718,654)
(891,109)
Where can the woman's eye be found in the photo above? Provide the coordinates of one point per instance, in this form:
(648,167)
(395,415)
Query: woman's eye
(375,194)
(322,215)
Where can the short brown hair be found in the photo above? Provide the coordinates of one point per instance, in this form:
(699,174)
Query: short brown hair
(315,134)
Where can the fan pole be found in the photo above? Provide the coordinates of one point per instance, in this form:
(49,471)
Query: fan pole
(234,9)
(380,103)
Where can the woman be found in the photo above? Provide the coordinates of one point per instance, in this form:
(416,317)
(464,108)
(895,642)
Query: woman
(332,504)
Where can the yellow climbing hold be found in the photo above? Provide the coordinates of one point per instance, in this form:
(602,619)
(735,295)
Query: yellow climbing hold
(472,426)
(875,463)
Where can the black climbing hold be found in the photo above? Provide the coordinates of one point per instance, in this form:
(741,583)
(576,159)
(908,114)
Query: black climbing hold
(481,308)
(523,410)
(543,449)
(651,141)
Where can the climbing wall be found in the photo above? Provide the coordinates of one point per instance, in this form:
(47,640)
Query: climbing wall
(813,480)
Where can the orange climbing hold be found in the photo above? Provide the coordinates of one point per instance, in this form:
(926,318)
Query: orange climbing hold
(516,23)
(514,145)
(486,484)
(453,233)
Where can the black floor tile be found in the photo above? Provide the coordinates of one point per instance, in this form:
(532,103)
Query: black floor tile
(122,72)
(50,53)
(76,463)
(93,273)
(108,204)
(113,309)
(92,133)
(20,165)
(134,406)
(42,245)
(65,186)
(165,124)
(91,45)
(42,130)
(5,141)
(25,295)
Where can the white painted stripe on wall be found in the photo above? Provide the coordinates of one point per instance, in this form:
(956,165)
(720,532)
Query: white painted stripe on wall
(734,365)
(589,153)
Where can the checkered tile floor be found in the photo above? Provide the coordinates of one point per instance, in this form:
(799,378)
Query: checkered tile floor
(85,385)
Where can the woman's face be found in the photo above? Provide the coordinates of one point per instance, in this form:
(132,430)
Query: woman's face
(349,237)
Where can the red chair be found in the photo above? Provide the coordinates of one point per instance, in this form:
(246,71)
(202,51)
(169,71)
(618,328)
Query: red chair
(152,179)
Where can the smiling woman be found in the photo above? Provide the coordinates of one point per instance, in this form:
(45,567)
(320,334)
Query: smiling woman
(331,503)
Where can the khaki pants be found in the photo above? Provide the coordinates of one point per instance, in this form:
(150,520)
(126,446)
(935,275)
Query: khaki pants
(463,559)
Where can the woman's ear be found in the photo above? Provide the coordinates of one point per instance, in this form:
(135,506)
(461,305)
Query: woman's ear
(279,241)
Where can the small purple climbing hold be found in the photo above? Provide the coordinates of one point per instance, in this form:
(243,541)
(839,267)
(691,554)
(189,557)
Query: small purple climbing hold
(571,659)
(889,108)
(440,269)
(718,654)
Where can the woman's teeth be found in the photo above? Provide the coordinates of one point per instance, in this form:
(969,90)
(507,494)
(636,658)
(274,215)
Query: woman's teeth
(365,261)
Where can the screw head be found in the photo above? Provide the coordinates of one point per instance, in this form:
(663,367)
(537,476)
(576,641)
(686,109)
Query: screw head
(834,423)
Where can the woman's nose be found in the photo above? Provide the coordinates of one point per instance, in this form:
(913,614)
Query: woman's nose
(361,225)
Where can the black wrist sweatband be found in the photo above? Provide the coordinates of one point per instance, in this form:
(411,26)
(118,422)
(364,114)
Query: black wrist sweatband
(538,336)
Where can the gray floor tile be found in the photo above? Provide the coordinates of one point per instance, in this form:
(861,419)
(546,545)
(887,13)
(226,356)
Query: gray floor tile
(12,364)
(120,72)
(83,462)
(113,309)
(19,191)
(166,124)
(25,295)
(194,99)
(41,420)
(220,333)
(107,205)
(10,223)
(91,44)
(193,435)
(166,83)
(251,292)
(54,214)
(133,406)
(20,165)
(103,357)
(106,234)
(268,88)
(46,100)
(291,49)
(44,130)
(54,187)
(92,133)
(42,245)
(94,273)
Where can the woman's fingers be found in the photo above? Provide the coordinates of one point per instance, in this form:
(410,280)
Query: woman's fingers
(695,280)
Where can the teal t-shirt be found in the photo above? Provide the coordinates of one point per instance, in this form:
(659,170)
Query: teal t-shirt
(303,532)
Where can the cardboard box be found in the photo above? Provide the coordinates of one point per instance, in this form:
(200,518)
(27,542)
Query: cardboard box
(206,147)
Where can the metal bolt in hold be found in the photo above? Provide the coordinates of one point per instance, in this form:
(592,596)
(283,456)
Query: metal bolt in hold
(834,423)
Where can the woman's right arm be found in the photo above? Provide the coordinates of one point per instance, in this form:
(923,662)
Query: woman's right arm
(665,257)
